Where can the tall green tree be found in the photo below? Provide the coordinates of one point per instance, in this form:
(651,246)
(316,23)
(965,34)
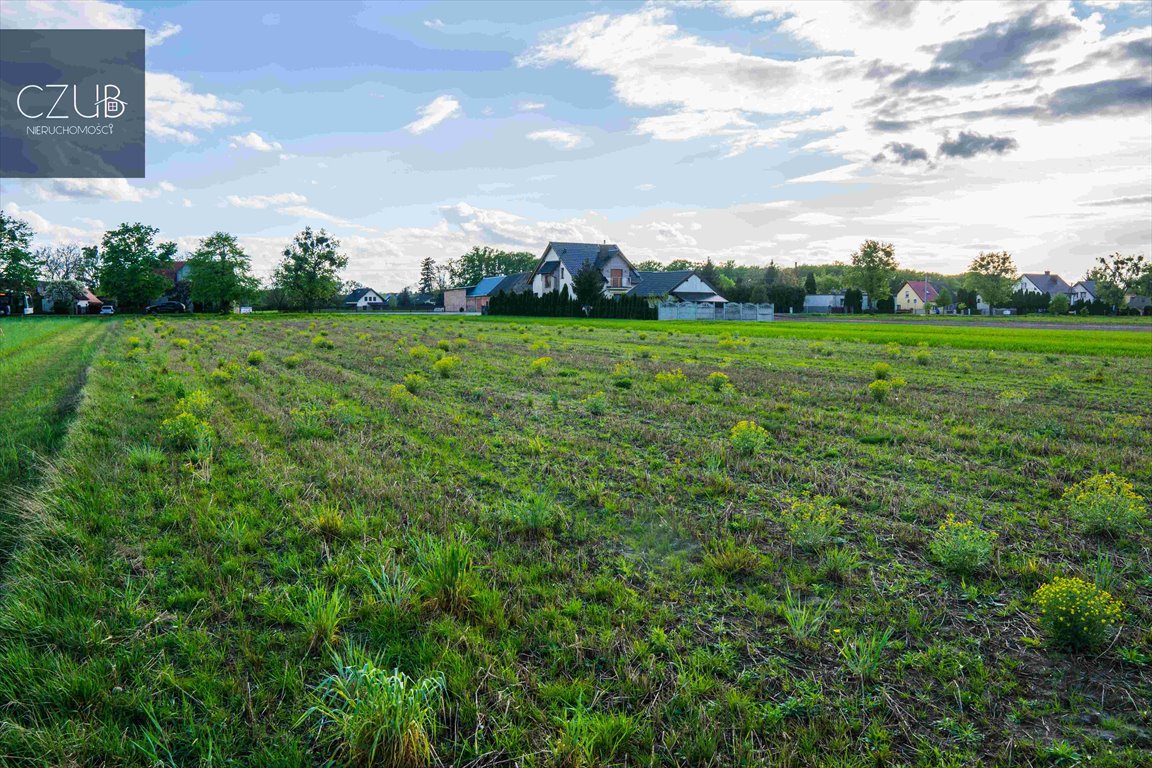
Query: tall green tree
(427,275)
(873,266)
(650,266)
(483,261)
(588,284)
(131,264)
(221,273)
(1118,275)
(19,266)
(991,275)
(309,273)
(810,283)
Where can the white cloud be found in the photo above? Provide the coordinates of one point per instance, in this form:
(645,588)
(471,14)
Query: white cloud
(254,141)
(108,190)
(48,233)
(530,106)
(175,111)
(558,139)
(266,201)
(435,112)
(645,187)
(307,212)
(434,24)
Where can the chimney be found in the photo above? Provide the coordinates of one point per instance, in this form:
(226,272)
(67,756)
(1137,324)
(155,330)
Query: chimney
(1047,272)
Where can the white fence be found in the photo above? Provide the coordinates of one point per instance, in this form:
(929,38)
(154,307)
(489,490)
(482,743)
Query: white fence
(684,310)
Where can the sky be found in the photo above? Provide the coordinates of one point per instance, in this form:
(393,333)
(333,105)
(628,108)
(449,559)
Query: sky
(754,131)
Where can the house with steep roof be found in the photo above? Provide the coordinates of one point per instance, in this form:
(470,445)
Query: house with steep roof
(363,299)
(914,295)
(561,261)
(1035,282)
(1083,291)
(678,285)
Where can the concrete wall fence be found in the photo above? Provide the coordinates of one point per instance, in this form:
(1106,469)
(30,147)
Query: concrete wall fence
(676,310)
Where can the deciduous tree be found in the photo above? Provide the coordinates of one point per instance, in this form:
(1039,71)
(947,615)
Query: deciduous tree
(1117,275)
(19,266)
(131,265)
(309,273)
(220,273)
(873,265)
(483,261)
(991,275)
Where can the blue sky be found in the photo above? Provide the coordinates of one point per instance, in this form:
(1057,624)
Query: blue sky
(751,130)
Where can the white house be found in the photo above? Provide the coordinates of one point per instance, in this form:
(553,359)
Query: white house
(1035,282)
(364,299)
(828,303)
(681,285)
(561,262)
(1085,291)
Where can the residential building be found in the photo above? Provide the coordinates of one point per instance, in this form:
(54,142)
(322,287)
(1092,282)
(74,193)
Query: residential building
(677,285)
(1046,282)
(914,295)
(1083,291)
(475,298)
(561,262)
(363,299)
(830,303)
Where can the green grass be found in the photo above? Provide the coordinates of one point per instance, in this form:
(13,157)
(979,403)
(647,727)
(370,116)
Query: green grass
(43,363)
(490,571)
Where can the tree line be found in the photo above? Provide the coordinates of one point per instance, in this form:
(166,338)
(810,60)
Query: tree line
(131,267)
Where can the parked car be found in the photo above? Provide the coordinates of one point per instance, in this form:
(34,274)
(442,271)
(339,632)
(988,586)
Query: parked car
(165,307)
(107,309)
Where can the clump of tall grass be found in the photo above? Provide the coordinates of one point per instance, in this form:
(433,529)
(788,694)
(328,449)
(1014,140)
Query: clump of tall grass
(414,382)
(401,395)
(255,358)
(590,738)
(863,651)
(535,516)
(879,390)
(813,522)
(145,458)
(320,341)
(733,559)
(596,403)
(881,371)
(186,431)
(368,716)
(961,547)
(540,365)
(748,437)
(321,616)
(293,361)
(672,381)
(803,619)
(446,365)
(445,567)
(719,381)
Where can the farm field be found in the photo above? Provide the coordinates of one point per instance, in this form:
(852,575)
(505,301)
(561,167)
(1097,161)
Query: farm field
(366,540)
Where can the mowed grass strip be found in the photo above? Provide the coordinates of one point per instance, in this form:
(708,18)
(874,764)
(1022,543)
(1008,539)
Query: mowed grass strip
(281,541)
(42,366)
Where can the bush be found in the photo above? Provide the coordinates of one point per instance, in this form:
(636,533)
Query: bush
(1012,397)
(879,389)
(540,346)
(812,522)
(672,381)
(748,437)
(255,358)
(414,382)
(718,381)
(961,547)
(1075,614)
(1106,504)
(293,361)
(419,352)
(541,365)
(186,431)
(321,341)
(881,371)
(922,357)
(1058,383)
(444,344)
(446,365)
(372,717)
(181,343)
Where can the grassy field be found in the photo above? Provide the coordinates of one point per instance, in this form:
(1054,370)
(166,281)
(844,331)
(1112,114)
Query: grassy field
(42,367)
(430,540)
